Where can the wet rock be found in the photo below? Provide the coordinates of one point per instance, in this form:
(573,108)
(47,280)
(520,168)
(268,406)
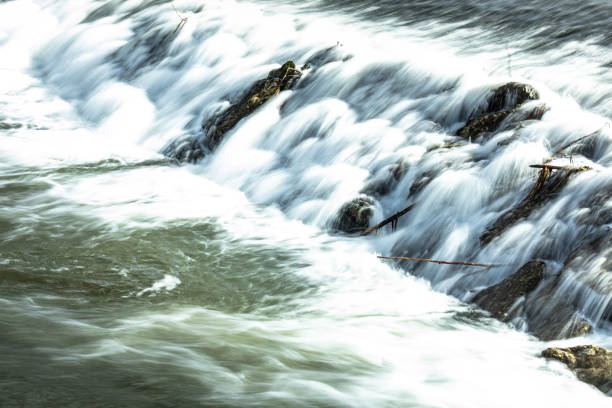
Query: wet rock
(546,188)
(563,323)
(354,216)
(278,80)
(194,148)
(9,126)
(105,10)
(188,150)
(589,266)
(511,95)
(591,364)
(490,122)
(506,101)
(499,299)
(597,208)
(148,47)
(383,185)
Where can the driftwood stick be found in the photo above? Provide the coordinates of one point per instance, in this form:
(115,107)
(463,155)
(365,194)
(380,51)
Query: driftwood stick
(548,166)
(392,219)
(442,262)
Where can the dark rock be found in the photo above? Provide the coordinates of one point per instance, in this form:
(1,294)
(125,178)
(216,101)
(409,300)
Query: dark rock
(545,189)
(149,47)
(105,10)
(511,95)
(562,323)
(383,185)
(598,212)
(188,150)
(278,80)
(498,299)
(194,148)
(421,181)
(591,364)
(9,126)
(596,249)
(504,102)
(490,122)
(354,216)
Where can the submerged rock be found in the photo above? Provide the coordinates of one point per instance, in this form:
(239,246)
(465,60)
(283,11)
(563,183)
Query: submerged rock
(591,364)
(546,188)
(505,101)
(499,299)
(9,126)
(194,148)
(490,122)
(354,216)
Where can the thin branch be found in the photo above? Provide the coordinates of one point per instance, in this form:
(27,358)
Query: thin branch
(443,262)
(392,219)
(550,167)
(181,23)
(580,139)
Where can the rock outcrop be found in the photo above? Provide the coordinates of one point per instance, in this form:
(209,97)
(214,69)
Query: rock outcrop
(214,129)
(498,299)
(354,216)
(528,295)
(504,103)
(592,364)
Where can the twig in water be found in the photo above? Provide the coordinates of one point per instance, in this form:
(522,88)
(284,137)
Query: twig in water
(580,139)
(392,219)
(181,23)
(551,167)
(402,258)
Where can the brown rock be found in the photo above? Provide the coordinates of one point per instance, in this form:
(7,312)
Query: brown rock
(592,364)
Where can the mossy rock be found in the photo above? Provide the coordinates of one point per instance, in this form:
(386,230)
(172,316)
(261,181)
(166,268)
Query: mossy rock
(503,102)
(214,129)
(491,122)
(278,80)
(591,364)
(354,216)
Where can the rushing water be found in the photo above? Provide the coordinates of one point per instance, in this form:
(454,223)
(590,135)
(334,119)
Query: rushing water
(129,280)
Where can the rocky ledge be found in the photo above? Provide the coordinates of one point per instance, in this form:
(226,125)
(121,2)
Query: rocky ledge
(592,364)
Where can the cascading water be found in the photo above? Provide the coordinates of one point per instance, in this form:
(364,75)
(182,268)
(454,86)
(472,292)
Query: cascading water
(131,280)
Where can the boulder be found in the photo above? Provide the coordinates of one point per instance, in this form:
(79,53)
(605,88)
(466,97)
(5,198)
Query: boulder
(591,364)
(511,95)
(505,101)
(490,122)
(194,148)
(354,216)
(499,299)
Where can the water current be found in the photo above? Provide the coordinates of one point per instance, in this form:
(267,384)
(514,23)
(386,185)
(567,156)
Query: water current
(129,280)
